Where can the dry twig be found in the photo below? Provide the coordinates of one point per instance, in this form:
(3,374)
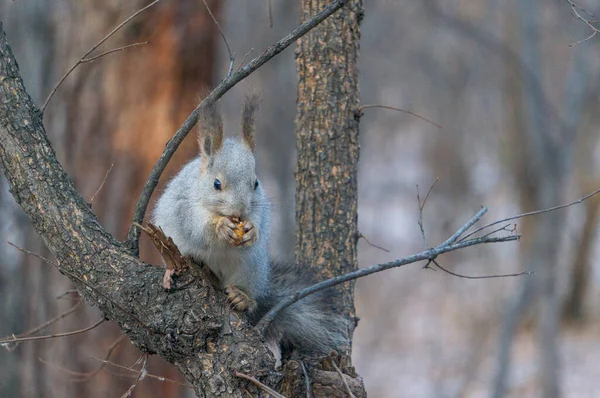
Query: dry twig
(449,245)
(83,282)
(480,277)
(350,394)
(257,383)
(94,47)
(532,213)
(226,84)
(49,336)
(102,183)
(360,108)
(141,375)
(589,22)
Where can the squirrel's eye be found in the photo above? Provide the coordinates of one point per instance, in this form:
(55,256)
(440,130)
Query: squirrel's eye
(217,184)
(255,184)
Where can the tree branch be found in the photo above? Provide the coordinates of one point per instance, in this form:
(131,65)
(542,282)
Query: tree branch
(447,246)
(226,84)
(91,50)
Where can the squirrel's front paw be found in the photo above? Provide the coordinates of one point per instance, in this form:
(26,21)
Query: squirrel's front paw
(226,231)
(250,234)
(242,233)
(239,300)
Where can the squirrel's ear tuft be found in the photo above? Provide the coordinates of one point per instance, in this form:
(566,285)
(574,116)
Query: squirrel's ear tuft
(210,133)
(251,102)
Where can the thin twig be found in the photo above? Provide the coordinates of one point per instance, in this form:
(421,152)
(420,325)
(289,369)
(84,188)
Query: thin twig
(114,50)
(81,60)
(422,207)
(503,228)
(533,213)
(270,14)
(481,277)
(448,246)
(83,282)
(102,183)
(134,232)
(361,236)
(85,376)
(148,375)
(350,394)
(465,227)
(244,58)
(306,379)
(141,375)
(257,383)
(575,10)
(68,292)
(45,324)
(360,108)
(50,336)
(231,55)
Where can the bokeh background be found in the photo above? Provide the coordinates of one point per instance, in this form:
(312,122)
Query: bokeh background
(519,109)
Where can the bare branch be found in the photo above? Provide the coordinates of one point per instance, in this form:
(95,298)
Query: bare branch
(350,394)
(9,340)
(429,254)
(533,213)
(465,227)
(589,22)
(102,183)
(134,232)
(141,375)
(231,55)
(480,277)
(360,235)
(306,379)
(83,59)
(114,50)
(422,207)
(360,108)
(148,375)
(83,282)
(260,385)
(44,325)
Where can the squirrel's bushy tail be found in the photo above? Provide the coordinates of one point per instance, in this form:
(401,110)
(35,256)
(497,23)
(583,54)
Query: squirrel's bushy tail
(309,327)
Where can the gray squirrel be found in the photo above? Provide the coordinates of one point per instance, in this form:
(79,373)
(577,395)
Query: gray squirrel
(217,212)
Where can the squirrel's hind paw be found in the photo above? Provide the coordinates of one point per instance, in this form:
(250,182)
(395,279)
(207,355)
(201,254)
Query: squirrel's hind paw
(239,300)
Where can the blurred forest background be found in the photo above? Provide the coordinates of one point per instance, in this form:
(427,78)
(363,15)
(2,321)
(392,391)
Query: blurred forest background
(519,109)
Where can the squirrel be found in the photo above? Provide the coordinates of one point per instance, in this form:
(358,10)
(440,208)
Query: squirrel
(217,212)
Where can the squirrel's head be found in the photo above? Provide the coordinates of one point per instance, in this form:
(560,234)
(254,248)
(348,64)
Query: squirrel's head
(228,180)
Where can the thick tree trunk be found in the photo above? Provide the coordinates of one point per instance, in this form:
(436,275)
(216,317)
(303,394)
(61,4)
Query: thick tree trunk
(190,327)
(327,144)
(116,110)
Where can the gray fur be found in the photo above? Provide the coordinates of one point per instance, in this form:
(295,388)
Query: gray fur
(309,327)
(189,207)
(188,212)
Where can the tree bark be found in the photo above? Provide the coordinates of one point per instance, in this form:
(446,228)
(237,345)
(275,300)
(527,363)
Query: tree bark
(191,326)
(188,327)
(328,147)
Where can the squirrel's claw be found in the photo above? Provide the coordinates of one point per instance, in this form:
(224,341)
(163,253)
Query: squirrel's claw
(225,231)
(239,300)
(251,235)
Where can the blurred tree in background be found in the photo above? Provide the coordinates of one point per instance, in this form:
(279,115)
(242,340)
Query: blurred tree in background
(118,112)
(518,109)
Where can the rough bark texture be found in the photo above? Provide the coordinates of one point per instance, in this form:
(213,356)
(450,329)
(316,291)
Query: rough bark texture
(120,109)
(188,327)
(327,144)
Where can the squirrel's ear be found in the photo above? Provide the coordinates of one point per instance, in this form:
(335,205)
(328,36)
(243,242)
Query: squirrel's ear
(248,111)
(210,133)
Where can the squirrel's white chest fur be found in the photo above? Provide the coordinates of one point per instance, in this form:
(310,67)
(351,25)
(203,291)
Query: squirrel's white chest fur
(181,214)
